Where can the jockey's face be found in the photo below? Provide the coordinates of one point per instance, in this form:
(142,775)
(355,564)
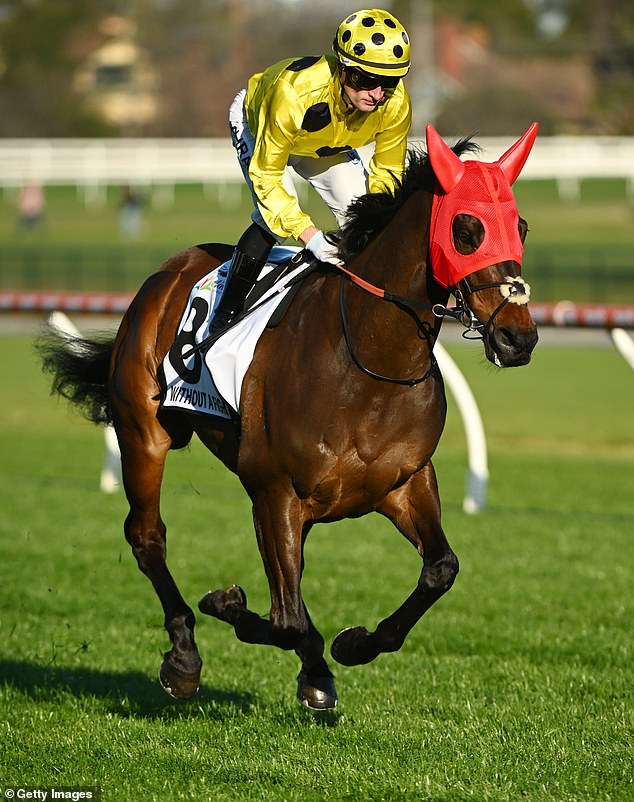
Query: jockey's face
(365,92)
(364,99)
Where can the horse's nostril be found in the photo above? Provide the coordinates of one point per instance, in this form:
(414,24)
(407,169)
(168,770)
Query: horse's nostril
(506,339)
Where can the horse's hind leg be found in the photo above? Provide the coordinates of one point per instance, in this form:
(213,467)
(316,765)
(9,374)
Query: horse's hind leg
(415,510)
(143,454)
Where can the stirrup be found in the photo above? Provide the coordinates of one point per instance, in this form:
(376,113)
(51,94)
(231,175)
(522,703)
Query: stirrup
(221,320)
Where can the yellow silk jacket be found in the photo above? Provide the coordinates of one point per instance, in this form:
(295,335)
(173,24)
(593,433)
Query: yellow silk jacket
(297,107)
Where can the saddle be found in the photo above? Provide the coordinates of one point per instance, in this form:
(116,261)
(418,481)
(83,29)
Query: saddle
(203,373)
(277,270)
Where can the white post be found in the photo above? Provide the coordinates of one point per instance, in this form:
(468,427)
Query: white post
(111,472)
(110,481)
(478,472)
(624,345)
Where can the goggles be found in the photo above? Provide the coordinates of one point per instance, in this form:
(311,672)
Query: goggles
(363,81)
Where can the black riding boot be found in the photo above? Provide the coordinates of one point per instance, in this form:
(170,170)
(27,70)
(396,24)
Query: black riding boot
(248,260)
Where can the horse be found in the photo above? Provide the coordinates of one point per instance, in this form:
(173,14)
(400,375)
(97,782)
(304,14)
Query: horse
(345,423)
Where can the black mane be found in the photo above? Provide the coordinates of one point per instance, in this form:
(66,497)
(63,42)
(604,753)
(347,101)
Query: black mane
(369,214)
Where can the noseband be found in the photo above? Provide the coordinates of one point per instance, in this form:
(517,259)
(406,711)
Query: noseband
(514,290)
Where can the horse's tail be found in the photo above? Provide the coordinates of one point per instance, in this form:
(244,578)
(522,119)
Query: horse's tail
(79,368)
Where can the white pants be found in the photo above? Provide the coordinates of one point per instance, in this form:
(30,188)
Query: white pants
(338,180)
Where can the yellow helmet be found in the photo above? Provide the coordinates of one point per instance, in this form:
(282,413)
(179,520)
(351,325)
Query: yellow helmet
(374,41)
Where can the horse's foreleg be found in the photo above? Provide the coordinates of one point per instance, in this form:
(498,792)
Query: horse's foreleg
(230,606)
(415,510)
(279,530)
(143,460)
(315,682)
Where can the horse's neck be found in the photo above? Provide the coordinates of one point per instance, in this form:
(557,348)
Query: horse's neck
(397,259)
(389,336)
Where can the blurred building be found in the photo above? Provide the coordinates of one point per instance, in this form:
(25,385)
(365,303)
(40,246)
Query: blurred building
(118,78)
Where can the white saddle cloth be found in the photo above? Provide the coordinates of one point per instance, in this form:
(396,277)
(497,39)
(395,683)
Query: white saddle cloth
(211,382)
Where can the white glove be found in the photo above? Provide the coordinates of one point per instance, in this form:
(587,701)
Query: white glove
(319,246)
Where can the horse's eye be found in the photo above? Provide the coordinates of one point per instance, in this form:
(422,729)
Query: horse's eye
(468,233)
(465,236)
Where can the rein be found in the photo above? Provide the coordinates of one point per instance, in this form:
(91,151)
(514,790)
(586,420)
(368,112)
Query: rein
(513,290)
(399,300)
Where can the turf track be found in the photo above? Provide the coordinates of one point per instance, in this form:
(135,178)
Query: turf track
(518,684)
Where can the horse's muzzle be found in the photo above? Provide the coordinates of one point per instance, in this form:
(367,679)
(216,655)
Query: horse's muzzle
(509,347)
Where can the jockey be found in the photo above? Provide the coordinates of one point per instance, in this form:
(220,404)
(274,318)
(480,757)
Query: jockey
(306,116)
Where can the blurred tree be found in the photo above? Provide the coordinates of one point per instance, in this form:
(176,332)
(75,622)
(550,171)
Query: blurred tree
(41,44)
(508,22)
(611,26)
(576,76)
(568,62)
(207,49)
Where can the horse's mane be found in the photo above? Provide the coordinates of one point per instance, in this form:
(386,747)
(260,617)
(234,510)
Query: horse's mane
(368,214)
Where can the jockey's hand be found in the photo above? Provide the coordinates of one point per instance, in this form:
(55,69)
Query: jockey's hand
(325,251)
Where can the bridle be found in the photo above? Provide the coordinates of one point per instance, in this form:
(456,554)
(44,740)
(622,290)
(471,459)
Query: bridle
(513,289)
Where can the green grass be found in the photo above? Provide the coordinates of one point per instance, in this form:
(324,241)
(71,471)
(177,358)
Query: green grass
(579,251)
(80,245)
(518,684)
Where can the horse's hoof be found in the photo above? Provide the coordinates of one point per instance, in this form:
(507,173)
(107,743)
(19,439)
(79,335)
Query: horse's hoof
(178,684)
(353,647)
(316,693)
(215,602)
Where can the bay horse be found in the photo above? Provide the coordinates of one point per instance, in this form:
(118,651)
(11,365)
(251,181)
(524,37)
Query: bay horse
(341,408)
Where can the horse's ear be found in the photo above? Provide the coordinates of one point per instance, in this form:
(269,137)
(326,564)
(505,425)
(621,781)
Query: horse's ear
(515,157)
(447,166)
